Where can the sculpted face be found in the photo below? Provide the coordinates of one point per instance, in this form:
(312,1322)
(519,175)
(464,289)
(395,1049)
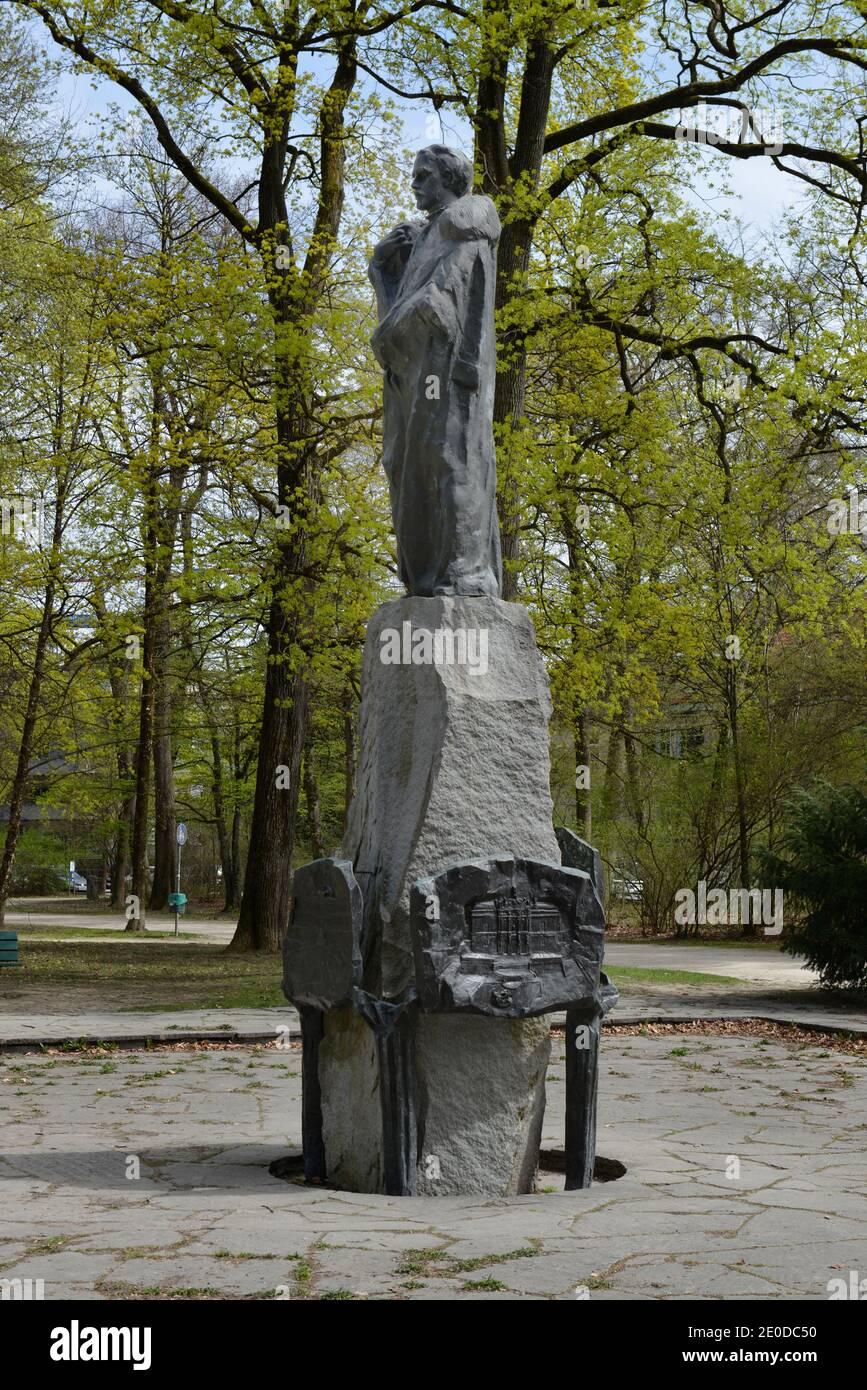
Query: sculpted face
(428,186)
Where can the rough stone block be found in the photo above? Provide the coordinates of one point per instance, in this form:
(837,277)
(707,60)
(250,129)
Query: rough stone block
(453,765)
(481,1103)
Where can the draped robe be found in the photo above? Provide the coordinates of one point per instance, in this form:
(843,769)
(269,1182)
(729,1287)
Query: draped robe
(435,342)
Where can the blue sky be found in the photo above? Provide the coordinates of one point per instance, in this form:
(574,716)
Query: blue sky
(759,195)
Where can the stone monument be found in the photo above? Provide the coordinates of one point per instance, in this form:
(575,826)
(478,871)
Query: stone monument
(425,956)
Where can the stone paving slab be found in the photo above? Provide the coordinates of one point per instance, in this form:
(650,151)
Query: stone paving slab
(145,1175)
(168,1025)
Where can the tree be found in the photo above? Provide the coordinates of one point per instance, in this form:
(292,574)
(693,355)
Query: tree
(823,872)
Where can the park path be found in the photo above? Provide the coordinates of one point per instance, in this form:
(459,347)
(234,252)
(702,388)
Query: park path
(763,965)
(19,920)
(760,964)
(773,986)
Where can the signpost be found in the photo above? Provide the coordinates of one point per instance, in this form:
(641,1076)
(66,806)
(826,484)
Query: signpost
(178,898)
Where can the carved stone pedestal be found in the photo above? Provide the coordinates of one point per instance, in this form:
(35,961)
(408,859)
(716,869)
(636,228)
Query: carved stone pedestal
(463,1114)
(426,956)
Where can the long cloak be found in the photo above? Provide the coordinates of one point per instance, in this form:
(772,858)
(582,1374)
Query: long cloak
(435,342)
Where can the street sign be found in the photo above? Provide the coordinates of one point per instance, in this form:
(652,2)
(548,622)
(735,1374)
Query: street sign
(178,899)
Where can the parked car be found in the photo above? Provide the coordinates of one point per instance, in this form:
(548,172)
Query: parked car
(76,883)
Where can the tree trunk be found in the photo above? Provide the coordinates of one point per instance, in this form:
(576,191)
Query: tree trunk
(633,780)
(34,695)
(294,298)
(583,802)
(749,927)
(118,679)
(506,179)
(165,842)
(223,836)
(264,914)
(612,792)
(120,860)
(136,921)
(311,796)
(233,893)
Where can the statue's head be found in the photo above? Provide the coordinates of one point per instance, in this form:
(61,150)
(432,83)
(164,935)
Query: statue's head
(439,176)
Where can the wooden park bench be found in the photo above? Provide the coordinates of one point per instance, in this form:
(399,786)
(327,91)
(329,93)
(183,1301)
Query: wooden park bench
(9,948)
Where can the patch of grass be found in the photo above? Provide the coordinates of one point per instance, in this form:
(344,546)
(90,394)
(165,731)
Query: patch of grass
(46,1245)
(417,1261)
(526,1252)
(135,1252)
(158,976)
(738,943)
(433,1262)
(337,1293)
(489,1285)
(118,1290)
(252,1255)
(247,994)
(635,974)
(206,1292)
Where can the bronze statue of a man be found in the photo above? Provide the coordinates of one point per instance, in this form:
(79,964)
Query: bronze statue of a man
(434,285)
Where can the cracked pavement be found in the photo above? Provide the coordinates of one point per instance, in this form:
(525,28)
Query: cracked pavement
(143,1175)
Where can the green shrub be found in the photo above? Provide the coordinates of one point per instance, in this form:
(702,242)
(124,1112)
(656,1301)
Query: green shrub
(39,864)
(823,872)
